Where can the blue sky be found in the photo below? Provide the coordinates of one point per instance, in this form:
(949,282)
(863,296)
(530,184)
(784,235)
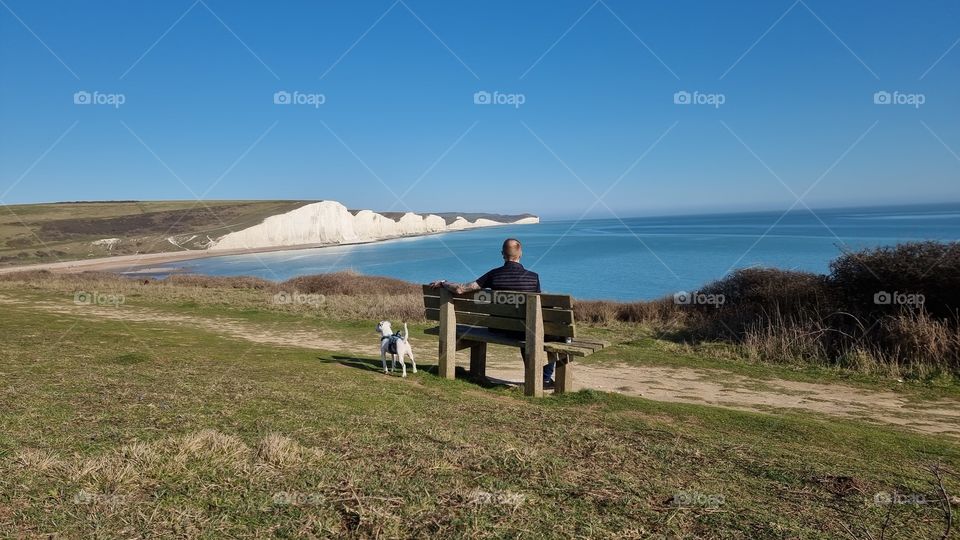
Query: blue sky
(598,130)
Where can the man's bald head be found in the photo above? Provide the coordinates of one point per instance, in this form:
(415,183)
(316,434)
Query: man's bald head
(512,250)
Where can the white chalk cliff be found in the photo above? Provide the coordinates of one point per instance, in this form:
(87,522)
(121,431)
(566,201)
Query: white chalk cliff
(329,222)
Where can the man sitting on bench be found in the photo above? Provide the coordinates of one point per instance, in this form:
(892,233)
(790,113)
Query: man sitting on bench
(512,276)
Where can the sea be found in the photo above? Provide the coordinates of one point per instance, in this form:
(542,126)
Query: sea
(638,258)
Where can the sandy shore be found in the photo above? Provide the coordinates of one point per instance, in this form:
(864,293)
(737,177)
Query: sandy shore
(124,263)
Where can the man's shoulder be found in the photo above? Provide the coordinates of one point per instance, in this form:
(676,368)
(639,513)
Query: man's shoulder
(512,270)
(524,269)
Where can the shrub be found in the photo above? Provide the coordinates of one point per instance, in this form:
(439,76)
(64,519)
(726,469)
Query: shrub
(215,282)
(349,283)
(928,268)
(761,296)
(788,316)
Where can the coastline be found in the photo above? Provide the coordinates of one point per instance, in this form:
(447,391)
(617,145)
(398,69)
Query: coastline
(126,263)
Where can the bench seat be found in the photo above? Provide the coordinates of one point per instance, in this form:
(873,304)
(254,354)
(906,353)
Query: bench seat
(465,333)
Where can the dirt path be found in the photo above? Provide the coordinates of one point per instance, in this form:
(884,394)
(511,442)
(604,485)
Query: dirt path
(725,389)
(671,384)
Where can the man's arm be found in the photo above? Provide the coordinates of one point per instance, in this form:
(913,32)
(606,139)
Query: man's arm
(456,288)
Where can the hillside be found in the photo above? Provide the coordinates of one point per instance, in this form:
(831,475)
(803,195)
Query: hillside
(203,408)
(49,233)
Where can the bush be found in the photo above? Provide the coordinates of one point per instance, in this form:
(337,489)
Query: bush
(835,319)
(349,283)
(764,296)
(605,312)
(215,282)
(928,268)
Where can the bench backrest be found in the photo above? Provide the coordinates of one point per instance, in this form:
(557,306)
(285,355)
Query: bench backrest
(503,310)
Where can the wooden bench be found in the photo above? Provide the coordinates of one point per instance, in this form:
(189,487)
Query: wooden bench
(469,321)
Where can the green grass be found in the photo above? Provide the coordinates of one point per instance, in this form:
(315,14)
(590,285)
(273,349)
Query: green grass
(129,429)
(633,344)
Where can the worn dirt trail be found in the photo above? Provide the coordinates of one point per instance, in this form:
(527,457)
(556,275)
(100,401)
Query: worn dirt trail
(672,384)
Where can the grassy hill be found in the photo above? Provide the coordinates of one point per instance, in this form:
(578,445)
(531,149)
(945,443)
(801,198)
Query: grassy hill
(43,233)
(174,414)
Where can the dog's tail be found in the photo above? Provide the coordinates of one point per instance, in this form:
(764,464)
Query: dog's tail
(406,333)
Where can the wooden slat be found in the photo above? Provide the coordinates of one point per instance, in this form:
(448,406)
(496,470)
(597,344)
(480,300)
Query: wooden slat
(592,341)
(566,348)
(558,301)
(564,316)
(583,345)
(470,306)
(466,335)
(503,323)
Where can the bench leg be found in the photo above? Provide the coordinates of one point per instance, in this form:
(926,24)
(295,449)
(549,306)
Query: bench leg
(447,364)
(478,361)
(536,356)
(564,380)
(448,359)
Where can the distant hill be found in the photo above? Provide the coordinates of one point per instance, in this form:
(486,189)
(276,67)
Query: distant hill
(450,217)
(63,231)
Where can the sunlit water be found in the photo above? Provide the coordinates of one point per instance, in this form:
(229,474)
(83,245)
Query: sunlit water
(637,258)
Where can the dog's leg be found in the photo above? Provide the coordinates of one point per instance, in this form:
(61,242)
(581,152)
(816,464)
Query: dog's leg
(402,364)
(412,359)
(383,359)
(393,363)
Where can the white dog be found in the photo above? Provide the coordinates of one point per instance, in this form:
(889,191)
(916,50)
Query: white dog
(397,345)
